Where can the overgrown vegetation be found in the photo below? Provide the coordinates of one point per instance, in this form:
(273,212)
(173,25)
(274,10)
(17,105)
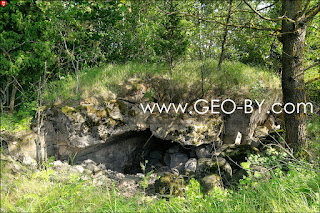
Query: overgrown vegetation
(295,189)
(81,49)
(234,76)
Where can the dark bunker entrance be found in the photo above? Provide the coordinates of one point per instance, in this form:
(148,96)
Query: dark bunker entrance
(124,153)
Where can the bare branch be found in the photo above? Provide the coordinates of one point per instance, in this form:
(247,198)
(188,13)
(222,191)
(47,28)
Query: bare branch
(247,26)
(267,18)
(271,5)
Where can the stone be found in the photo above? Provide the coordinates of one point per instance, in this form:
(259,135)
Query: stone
(207,166)
(192,153)
(209,182)
(29,161)
(238,153)
(120,175)
(255,142)
(203,151)
(191,165)
(88,162)
(171,184)
(238,138)
(260,172)
(102,166)
(178,160)
(156,154)
(58,163)
(98,174)
(93,168)
(128,187)
(79,168)
(102,128)
(261,131)
(166,159)
(174,149)
(87,172)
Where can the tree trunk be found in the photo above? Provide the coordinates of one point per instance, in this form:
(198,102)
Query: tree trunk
(293,86)
(13,96)
(224,42)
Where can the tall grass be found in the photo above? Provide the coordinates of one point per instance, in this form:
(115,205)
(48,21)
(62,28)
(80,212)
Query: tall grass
(45,191)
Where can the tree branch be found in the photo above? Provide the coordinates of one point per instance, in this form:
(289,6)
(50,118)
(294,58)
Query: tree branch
(314,65)
(313,80)
(267,18)
(305,8)
(271,5)
(248,26)
(312,12)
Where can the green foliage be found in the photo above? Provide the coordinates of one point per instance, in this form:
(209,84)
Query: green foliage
(313,126)
(171,39)
(18,121)
(45,191)
(146,176)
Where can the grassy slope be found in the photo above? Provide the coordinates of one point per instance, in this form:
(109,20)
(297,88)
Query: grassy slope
(234,75)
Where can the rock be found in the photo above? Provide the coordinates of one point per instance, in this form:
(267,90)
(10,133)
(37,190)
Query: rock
(98,174)
(192,153)
(207,166)
(9,165)
(170,183)
(79,168)
(271,124)
(178,160)
(102,166)
(29,161)
(235,123)
(88,162)
(227,170)
(261,131)
(255,142)
(203,151)
(58,163)
(238,153)
(174,149)
(166,159)
(113,130)
(93,168)
(209,182)
(87,172)
(191,165)
(128,186)
(238,139)
(120,175)
(156,155)
(260,172)
(60,166)
(116,114)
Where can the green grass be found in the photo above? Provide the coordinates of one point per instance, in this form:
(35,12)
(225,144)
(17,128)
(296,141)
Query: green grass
(15,122)
(296,191)
(232,77)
